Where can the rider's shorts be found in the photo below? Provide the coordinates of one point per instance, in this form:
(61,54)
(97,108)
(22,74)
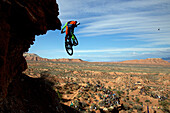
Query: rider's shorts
(69,29)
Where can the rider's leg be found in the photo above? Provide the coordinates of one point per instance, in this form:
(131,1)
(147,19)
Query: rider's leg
(73,37)
(66,37)
(67,33)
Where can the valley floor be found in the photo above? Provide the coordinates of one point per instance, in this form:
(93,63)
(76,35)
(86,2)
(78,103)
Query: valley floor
(107,87)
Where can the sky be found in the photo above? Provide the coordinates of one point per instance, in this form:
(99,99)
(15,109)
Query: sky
(110,30)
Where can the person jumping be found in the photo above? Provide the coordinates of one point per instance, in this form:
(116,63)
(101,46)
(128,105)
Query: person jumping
(70,25)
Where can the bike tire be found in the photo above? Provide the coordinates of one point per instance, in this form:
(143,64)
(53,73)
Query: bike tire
(76,41)
(69,48)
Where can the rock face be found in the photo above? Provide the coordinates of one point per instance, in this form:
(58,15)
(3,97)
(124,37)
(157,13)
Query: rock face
(147,61)
(20,21)
(34,57)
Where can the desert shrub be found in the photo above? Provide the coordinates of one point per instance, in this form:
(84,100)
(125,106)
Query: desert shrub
(93,105)
(127,97)
(101,103)
(65,87)
(92,95)
(77,87)
(139,108)
(59,95)
(98,81)
(58,87)
(118,92)
(93,89)
(89,111)
(147,100)
(137,99)
(109,87)
(79,95)
(130,111)
(95,100)
(165,104)
(84,104)
(45,74)
(130,102)
(89,101)
(167,95)
(126,107)
(76,103)
(86,96)
(124,99)
(68,92)
(106,81)
(100,95)
(141,103)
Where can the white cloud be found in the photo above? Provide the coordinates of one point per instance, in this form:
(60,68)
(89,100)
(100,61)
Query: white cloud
(123,50)
(136,20)
(130,54)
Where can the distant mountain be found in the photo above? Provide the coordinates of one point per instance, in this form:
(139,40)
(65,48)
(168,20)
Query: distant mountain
(147,61)
(35,57)
(167,59)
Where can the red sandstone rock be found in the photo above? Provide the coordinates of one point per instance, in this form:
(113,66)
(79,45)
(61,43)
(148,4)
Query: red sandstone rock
(147,61)
(34,57)
(20,21)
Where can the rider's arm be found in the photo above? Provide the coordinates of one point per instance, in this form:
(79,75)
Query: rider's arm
(64,26)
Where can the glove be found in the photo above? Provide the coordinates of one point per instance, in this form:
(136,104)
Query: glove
(62,31)
(78,23)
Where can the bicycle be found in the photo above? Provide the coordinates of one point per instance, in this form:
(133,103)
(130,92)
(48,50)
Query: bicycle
(69,44)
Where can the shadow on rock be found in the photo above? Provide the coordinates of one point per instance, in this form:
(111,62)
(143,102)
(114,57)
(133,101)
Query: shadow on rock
(32,95)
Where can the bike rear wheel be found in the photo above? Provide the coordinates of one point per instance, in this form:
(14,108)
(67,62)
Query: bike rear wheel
(76,41)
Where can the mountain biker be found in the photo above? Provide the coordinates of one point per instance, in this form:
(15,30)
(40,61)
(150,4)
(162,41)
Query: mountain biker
(70,25)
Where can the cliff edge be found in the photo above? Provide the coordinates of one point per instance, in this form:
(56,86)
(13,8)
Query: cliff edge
(20,21)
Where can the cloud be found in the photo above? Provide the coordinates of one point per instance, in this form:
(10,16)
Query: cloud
(128,55)
(122,50)
(138,19)
(125,20)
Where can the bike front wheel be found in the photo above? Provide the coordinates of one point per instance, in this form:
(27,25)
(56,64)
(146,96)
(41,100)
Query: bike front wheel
(69,48)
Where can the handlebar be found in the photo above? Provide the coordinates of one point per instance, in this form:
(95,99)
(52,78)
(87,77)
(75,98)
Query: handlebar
(63,32)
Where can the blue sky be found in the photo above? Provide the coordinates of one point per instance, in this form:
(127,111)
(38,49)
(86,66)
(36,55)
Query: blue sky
(111,30)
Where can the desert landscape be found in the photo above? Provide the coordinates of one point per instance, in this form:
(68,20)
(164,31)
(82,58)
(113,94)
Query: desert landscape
(137,86)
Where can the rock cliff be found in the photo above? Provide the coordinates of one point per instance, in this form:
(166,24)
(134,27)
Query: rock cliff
(147,61)
(20,21)
(34,57)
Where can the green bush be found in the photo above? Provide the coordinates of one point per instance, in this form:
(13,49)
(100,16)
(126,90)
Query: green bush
(139,108)
(101,103)
(59,95)
(165,104)
(84,104)
(141,103)
(137,99)
(67,92)
(45,74)
(79,95)
(93,105)
(130,102)
(126,106)
(147,100)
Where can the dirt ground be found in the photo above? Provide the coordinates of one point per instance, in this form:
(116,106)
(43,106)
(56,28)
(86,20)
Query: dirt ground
(85,86)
